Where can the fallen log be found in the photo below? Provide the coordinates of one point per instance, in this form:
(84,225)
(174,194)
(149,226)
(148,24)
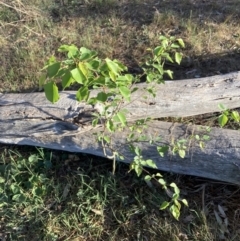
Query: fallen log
(29,119)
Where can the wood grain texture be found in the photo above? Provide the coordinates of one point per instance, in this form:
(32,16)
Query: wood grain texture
(179,98)
(29,119)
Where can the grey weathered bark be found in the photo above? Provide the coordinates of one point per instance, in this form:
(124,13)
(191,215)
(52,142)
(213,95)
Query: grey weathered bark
(29,119)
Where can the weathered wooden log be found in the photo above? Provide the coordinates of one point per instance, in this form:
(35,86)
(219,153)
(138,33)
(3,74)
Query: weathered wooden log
(29,119)
(178,98)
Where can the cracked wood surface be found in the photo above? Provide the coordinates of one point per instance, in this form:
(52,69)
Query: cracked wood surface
(29,119)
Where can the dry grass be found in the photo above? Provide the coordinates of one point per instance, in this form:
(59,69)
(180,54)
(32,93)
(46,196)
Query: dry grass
(33,30)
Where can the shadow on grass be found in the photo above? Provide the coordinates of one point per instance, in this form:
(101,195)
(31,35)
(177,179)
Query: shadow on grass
(143,13)
(171,17)
(84,201)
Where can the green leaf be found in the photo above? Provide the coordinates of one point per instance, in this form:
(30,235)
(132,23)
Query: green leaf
(147,178)
(4,200)
(42,178)
(93,64)
(130,137)
(2,179)
(201,145)
(121,157)
(174,46)
(120,117)
(235,116)
(129,78)
(41,81)
(15,188)
(142,137)
(60,73)
(72,49)
(51,92)
(222,107)
(85,56)
(83,69)
(110,125)
(158,50)
(169,73)
(100,81)
(86,53)
(142,162)
(182,141)
(181,43)
(33,159)
(181,153)
(78,76)
(150,77)
(121,66)
(168,57)
(84,50)
(53,69)
(102,97)
(162,37)
(206,137)
(162,150)
(37,191)
(164,205)
(107,139)
(197,137)
(174,211)
(33,179)
(63,48)
(176,202)
(162,181)
(82,94)
(113,67)
(125,92)
(178,57)
(95,122)
(175,187)
(164,43)
(185,202)
(67,79)
(138,169)
(152,91)
(151,163)
(175,196)
(137,151)
(149,183)
(159,68)
(222,120)
(112,76)
(131,148)
(20,198)
(122,80)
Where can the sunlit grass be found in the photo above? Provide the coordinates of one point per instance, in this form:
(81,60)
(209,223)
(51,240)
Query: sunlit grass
(31,31)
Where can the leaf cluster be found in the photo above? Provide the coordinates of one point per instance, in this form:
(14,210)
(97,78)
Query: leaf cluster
(227,115)
(115,87)
(155,69)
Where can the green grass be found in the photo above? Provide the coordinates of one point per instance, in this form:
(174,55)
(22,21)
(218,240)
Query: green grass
(49,195)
